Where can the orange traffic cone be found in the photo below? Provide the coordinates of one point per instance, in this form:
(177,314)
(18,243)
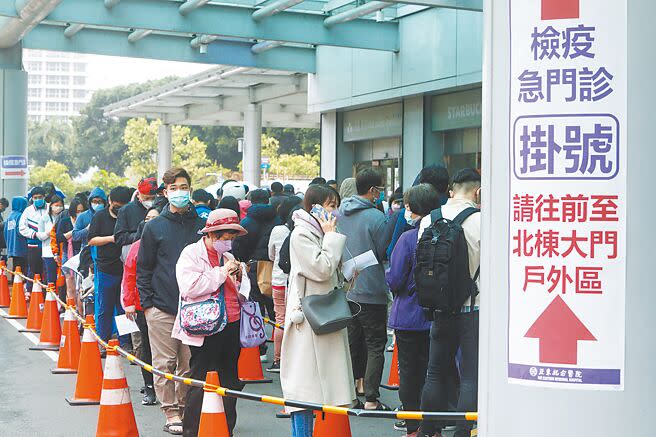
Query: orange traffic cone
(116,417)
(393,379)
(50,326)
(35,314)
(249,366)
(331,425)
(61,281)
(69,346)
(5,298)
(18,306)
(88,385)
(213,421)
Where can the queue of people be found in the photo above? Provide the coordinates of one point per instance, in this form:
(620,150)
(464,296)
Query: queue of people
(156,253)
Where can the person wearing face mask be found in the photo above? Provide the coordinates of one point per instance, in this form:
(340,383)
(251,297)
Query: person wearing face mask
(162,242)
(28,226)
(97,201)
(64,237)
(314,368)
(411,327)
(134,213)
(366,229)
(207,268)
(109,268)
(134,311)
(46,224)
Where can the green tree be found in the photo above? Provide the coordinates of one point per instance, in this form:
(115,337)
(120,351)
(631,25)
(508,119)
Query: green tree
(51,140)
(54,172)
(294,141)
(99,138)
(221,143)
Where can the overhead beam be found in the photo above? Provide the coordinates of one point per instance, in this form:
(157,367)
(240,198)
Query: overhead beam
(273,8)
(138,34)
(169,48)
(191,5)
(203,40)
(72,29)
(229,21)
(466,5)
(265,93)
(24,16)
(263,46)
(355,13)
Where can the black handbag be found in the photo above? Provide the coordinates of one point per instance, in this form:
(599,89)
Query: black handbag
(327,313)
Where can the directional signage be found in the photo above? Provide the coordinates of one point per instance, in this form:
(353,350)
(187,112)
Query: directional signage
(567,193)
(14,167)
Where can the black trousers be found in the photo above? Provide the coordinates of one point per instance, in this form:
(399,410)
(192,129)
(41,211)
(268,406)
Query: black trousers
(413,349)
(448,333)
(220,352)
(34,264)
(367,334)
(19,261)
(146,354)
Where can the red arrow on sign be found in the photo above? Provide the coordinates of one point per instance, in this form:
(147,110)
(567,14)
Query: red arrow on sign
(15,173)
(560,9)
(559,331)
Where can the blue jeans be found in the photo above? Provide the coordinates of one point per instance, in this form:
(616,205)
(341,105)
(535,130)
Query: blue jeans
(302,422)
(49,270)
(108,303)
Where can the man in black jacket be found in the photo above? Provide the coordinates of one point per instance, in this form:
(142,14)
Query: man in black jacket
(162,241)
(134,213)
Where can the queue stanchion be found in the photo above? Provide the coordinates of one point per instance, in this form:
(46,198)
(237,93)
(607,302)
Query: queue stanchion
(5,296)
(50,326)
(18,306)
(69,347)
(35,313)
(88,384)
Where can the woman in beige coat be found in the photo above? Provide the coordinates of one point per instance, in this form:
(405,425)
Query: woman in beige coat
(314,368)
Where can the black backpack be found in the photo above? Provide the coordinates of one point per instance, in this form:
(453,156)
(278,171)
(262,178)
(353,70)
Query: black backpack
(442,277)
(284,260)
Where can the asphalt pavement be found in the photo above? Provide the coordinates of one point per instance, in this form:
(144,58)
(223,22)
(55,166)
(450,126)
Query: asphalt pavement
(32,400)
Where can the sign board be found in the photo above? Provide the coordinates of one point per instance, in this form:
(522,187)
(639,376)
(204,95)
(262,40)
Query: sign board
(14,167)
(377,122)
(567,222)
(265,166)
(456,110)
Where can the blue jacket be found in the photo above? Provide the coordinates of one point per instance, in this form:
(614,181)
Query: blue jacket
(406,314)
(81,229)
(203,211)
(16,243)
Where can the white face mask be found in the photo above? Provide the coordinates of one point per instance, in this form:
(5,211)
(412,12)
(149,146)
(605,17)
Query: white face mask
(148,203)
(56,210)
(408,218)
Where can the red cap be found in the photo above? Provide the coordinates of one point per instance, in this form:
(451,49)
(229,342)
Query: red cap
(148,186)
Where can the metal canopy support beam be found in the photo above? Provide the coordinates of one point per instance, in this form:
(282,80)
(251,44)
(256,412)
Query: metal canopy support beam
(138,34)
(252,154)
(71,30)
(273,8)
(466,5)
(230,21)
(357,12)
(203,40)
(24,16)
(264,46)
(191,5)
(164,150)
(170,48)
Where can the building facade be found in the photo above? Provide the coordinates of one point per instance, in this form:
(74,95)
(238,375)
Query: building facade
(58,84)
(402,111)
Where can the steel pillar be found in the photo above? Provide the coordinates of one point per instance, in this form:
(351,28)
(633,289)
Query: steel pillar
(252,154)
(164,150)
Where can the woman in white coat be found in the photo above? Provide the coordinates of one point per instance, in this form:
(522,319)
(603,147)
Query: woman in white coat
(314,368)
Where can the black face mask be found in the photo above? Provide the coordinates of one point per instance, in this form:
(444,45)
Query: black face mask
(115,210)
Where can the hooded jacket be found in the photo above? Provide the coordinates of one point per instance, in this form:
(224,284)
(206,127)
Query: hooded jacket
(29,224)
(365,229)
(16,243)
(259,222)
(162,242)
(81,229)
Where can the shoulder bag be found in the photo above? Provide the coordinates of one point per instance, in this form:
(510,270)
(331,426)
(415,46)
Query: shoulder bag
(207,317)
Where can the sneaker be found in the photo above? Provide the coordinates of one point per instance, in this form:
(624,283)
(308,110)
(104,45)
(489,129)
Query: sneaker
(400,425)
(274,368)
(149,396)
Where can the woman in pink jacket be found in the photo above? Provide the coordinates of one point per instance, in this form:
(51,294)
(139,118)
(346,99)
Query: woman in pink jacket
(203,269)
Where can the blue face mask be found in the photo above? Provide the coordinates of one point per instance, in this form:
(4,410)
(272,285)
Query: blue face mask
(40,203)
(98,207)
(380,199)
(179,198)
(408,218)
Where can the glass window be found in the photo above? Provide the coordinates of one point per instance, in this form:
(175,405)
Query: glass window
(33,66)
(79,80)
(80,67)
(34,79)
(33,106)
(80,94)
(462,148)
(34,92)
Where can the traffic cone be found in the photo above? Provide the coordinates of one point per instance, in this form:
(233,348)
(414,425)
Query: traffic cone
(61,281)
(116,417)
(35,314)
(5,298)
(69,346)
(331,425)
(249,366)
(88,385)
(18,306)
(213,422)
(50,326)
(393,379)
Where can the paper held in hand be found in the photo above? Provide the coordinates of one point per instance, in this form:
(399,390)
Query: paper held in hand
(358,264)
(125,326)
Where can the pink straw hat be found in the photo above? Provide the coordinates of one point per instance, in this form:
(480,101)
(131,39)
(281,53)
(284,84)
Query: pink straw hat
(223,220)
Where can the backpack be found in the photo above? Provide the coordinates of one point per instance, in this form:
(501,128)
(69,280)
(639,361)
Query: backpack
(284,260)
(442,277)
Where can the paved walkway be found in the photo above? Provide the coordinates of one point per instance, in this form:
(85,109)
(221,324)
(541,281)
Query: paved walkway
(32,401)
